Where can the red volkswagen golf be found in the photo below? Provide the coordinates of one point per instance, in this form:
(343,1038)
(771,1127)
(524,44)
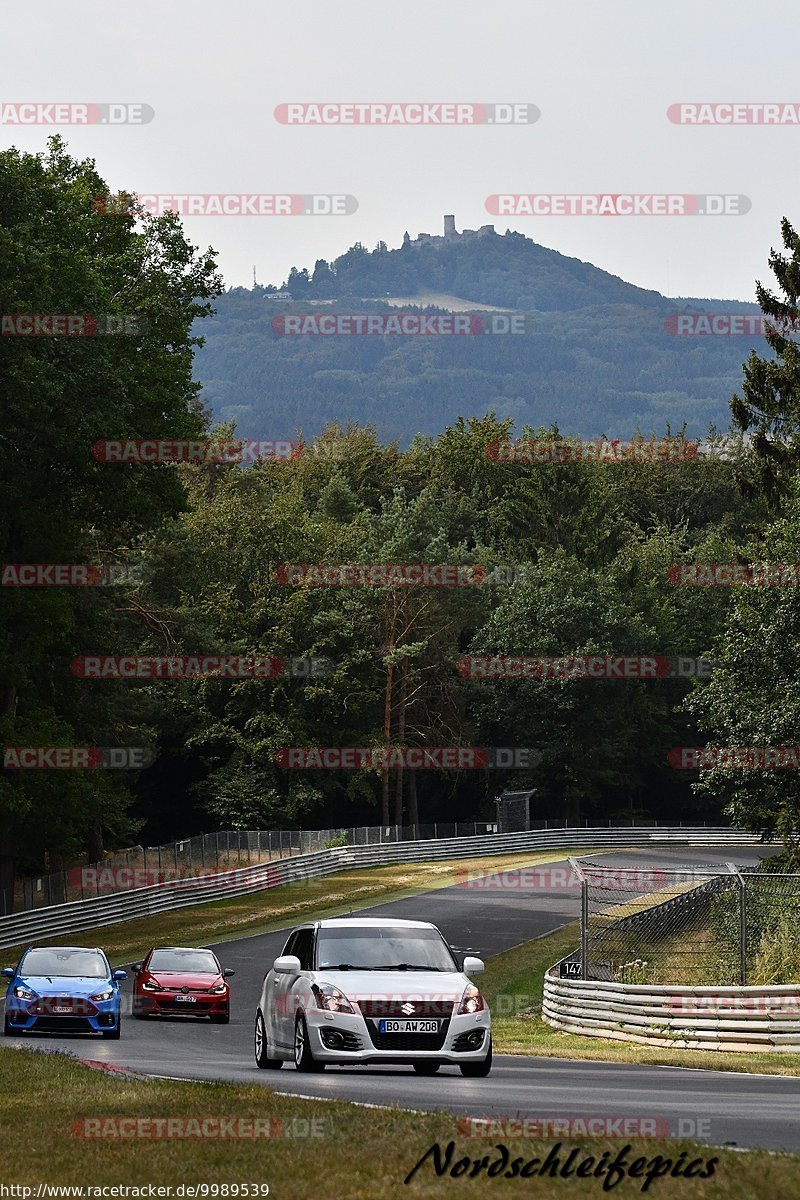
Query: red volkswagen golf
(181,980)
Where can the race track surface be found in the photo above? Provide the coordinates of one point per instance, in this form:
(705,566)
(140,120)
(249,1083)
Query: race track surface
(740,1109)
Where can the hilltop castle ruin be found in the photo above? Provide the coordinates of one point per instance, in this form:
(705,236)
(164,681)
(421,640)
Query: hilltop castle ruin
(450,234)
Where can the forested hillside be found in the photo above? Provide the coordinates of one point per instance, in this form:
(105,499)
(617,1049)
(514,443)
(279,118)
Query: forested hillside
(596,355)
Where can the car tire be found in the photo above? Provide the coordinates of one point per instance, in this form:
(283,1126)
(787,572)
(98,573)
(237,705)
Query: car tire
(220,1018)
(478,1070)
(262,1046)
(426,1068)
(303,1057)
(10,1030)
(112,1035)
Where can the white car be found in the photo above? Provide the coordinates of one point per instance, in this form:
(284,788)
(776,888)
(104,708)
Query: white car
(362,990)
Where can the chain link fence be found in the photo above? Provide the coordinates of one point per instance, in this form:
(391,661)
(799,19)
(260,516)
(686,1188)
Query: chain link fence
(693,926)
(141,866)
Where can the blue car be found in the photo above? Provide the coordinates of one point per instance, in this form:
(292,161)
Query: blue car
(63,989)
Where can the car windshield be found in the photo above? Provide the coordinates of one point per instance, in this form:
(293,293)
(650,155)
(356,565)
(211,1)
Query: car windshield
(88,964)
(383,948)
(198,962)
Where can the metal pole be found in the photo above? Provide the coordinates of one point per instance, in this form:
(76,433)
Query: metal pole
(573,862)
(732,867)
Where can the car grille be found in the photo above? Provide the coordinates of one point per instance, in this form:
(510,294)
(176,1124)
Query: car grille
(395,1008)
(43,1007)
(173,1005)
(63,1024)
(408,1041)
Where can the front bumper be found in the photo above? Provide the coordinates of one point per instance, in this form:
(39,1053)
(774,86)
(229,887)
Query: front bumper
(56,1015)
(203,1004)
(352,1038)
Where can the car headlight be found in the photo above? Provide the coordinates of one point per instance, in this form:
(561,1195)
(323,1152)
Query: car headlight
(472,1001)
(221,987)
(330,998)
(23,993)
(151,987)
(105,995)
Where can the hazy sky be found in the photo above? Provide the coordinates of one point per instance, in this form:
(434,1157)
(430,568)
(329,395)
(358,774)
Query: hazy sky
(602,74)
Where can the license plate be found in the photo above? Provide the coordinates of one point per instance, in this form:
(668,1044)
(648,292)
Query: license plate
(61,1008)
(187,999)
(387,1026)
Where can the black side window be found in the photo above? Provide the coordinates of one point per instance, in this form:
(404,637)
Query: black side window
(289,948)
(304,948)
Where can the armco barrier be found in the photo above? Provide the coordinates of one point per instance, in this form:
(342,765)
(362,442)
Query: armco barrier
(61,919)
(692,1018)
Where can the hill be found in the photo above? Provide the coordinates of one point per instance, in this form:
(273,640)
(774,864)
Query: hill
(597,354)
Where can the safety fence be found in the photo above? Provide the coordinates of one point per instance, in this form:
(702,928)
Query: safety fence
(206,885)
(227,850)
(692,926)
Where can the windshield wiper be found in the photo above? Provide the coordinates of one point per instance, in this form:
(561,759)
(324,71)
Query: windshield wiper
(345,967)
(408,967)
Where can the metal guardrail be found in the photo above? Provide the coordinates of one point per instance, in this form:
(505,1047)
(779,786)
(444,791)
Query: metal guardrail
(692,1018)
(59,920)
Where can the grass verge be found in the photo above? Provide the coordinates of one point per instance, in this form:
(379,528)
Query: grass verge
(356,1153)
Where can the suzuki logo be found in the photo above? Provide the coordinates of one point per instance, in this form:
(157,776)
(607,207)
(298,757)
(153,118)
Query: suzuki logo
(408,1009)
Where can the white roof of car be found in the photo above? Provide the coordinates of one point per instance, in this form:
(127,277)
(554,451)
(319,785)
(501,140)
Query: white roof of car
(374,922)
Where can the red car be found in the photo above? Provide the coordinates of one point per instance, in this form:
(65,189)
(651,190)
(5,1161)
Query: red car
(182,980)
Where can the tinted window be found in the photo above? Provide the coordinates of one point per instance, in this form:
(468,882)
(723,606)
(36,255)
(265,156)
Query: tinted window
(383,947)
(304,948)
(201,962)
(289,948)
(86,963)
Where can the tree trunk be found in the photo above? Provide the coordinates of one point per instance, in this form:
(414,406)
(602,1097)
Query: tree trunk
(8,872)
(387,733)
(401,737)
(94,844)
(413,808)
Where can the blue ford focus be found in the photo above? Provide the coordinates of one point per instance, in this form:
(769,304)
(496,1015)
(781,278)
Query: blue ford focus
(63,989)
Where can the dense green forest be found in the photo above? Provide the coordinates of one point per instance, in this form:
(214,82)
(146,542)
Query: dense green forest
(597,541)
(597,354)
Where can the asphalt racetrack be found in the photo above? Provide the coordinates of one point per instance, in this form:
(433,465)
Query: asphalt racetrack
(739,1109)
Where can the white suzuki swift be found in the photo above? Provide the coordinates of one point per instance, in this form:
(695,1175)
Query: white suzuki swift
(372,990)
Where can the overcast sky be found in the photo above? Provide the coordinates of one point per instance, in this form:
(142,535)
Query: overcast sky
(602,74)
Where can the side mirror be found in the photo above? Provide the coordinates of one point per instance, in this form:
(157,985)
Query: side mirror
(137,967)
(226,974)
(119,975)
(287,964)
(473,966)
(9,972)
